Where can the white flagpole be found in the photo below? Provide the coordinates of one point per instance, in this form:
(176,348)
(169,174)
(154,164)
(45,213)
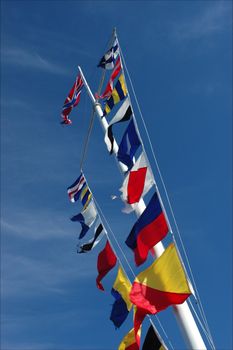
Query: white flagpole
(182,312)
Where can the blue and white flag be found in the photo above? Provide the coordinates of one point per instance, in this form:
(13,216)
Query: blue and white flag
(86,218)
(99,233)
(128,146)
(108,60)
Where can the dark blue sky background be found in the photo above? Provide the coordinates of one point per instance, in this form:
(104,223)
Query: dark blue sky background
(179,55)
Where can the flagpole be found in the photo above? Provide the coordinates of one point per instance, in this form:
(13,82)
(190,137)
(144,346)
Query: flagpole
(182,312)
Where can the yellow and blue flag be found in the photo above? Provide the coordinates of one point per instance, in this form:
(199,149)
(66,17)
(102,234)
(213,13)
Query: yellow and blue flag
(122,305)
(118,94)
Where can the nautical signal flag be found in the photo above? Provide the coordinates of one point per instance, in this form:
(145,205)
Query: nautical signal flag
(118,94)
(109,88)
(107,61)
(129,342)
(86,218)
(149,229)
(138,181)
(123,114)
(86,247)
(129,144)
(152,341)
(85,196)
(122,305)
(106,261)
(162,284)
(75,189)
(72,100)
(79,189)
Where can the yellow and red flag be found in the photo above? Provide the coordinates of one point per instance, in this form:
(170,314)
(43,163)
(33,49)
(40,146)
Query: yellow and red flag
(129,342)
(162,284)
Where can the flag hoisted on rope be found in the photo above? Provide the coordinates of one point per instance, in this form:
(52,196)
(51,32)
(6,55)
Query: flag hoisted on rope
(86,218)
(106,261)
(109,88)
(72,100)
(138,181)
(152,341)
(75,189)
(129,342)
(162,284)
(87,247)
(122,305)
(128,147)
(108,60)
(149,229)
(118,94)
(80,190)
(123,114)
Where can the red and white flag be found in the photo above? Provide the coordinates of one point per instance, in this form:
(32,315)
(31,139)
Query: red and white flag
(138,181)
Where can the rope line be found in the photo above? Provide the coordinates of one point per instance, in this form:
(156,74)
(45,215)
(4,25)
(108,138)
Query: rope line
(206,333)
(199,304)
(129,266)
(91,124)
(168,200)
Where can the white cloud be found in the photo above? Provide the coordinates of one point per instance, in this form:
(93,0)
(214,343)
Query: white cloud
(35,227)
(24,276)
(212,20)
(29,59)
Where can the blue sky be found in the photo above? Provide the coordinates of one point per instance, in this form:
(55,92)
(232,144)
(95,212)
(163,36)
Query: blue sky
(179,55)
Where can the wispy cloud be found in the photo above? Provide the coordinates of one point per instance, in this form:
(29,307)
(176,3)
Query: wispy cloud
(24,276)
(29,59)
(37,226)
(210,21)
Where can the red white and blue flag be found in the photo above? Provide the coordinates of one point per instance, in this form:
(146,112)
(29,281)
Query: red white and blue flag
(75,189)
(149,229)
(72,100)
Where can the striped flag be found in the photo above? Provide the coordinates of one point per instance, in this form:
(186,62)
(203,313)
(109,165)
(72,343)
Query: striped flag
(118,94)
(123,114)
(80,190)
(75,189)
(72,100)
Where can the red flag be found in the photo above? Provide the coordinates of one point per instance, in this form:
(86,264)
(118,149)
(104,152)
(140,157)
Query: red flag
(106,261)
(138,181)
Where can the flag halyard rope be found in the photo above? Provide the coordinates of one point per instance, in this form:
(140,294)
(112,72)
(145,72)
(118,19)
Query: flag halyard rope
(169,203)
